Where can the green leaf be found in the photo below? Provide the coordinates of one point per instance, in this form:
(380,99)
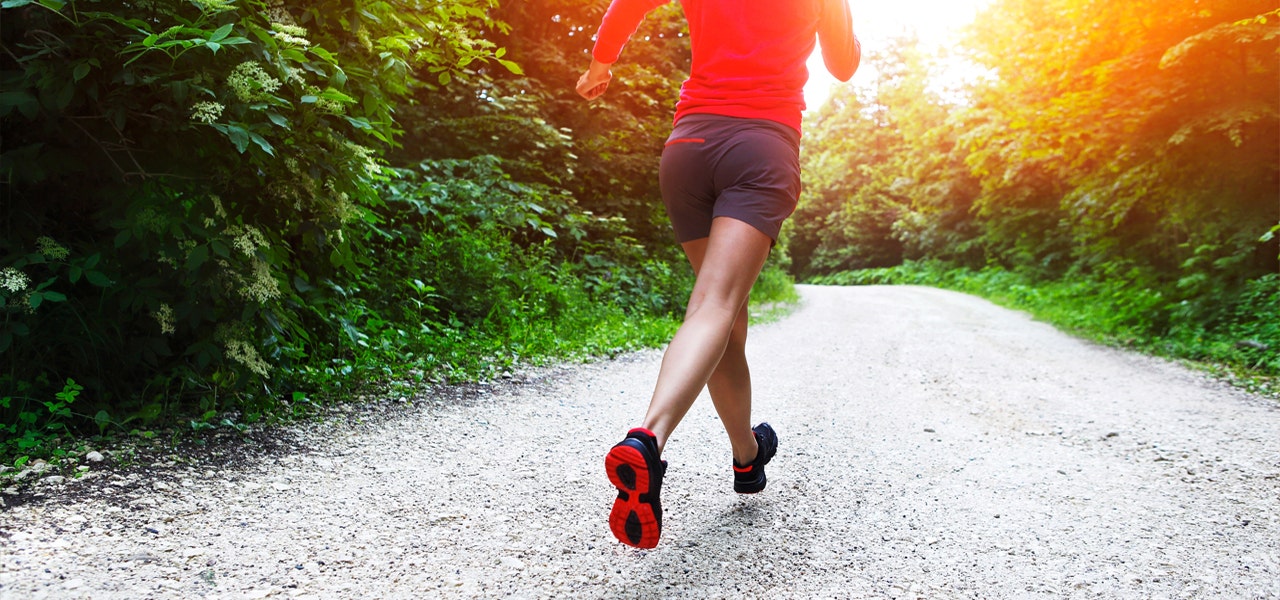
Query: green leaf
(222,32)
(80,71)
(332,94)
(54,296)
(301,285)
(35,301)
(97,279)
(74,273)
(214,46)
(122,238)
(511,66)
(63,97)
(238,135)
(102,419)
(54,5)
(15,3)
(278,119)
(6,340)
(220,248)
(150,40)
(309,99)
(322,53)
(9,100)
(262,143)
(198,256)
(359,123)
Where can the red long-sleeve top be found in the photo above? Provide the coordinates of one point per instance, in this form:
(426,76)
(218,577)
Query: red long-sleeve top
(748,55)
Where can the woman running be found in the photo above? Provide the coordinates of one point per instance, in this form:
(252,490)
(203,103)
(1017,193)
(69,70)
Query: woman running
(730,175)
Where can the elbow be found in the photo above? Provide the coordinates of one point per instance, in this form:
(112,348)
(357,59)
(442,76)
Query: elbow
(844,69)
(845,64)
(844,74)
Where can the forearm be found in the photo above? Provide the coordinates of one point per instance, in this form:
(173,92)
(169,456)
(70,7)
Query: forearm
(841,51)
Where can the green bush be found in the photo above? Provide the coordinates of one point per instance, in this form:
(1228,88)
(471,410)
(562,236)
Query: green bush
(186,188)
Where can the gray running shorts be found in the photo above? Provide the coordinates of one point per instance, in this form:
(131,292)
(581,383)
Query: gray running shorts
(716,166)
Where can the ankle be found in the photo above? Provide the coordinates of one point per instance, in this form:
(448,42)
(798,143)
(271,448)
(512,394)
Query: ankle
(746,455)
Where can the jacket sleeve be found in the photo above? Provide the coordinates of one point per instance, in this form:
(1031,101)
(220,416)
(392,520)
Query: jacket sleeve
(619,24)
(841,51)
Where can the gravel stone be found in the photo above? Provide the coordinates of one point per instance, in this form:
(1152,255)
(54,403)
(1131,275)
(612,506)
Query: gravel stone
(500,491)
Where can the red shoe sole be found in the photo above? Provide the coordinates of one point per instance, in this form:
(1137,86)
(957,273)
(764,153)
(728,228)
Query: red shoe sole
(632,521)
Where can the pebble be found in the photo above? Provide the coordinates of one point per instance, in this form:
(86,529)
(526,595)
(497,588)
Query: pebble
(94,456)
(452,508)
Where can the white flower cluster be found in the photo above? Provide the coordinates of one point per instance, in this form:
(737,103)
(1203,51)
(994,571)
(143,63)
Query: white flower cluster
(290,34)
(51,249)
(237,349)
(152,221)
(324,105)
(246,238)
(164,316)
(206,112)
(277,13)
(340,205)
(13,280)
(252,83)
(211,7)
(365,156)
(261,286)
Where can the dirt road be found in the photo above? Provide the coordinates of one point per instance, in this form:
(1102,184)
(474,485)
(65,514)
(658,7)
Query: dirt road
(932,445)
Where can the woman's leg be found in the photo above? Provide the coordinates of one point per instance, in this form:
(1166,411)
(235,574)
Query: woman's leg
(730,383)
(714,329)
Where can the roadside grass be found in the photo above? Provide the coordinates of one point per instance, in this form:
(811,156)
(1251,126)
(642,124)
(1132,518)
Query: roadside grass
(1239,342)
(773,297)
(390,362)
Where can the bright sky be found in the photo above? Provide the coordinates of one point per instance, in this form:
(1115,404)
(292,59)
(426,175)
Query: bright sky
(936,22)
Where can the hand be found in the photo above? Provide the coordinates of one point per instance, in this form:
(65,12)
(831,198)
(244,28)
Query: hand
(595,81)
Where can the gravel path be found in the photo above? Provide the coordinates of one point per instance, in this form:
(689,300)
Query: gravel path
(932,445)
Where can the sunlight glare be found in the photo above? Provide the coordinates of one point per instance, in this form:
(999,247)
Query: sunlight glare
(937,23)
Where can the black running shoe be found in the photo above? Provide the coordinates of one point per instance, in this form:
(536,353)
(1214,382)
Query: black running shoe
(749,479)
(634,468)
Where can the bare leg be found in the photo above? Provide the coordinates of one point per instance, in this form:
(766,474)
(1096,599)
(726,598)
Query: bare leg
(730,383)
(731,259)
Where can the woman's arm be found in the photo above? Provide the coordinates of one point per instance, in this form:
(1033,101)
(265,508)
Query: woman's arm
(595,81)
(841,51)
(618,25)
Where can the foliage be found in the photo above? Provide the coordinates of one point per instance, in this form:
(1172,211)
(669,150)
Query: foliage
(226,211)
(200,217)
(616,140)
(1122,153)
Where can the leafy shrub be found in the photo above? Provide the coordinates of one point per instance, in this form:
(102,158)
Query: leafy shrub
(185,187)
